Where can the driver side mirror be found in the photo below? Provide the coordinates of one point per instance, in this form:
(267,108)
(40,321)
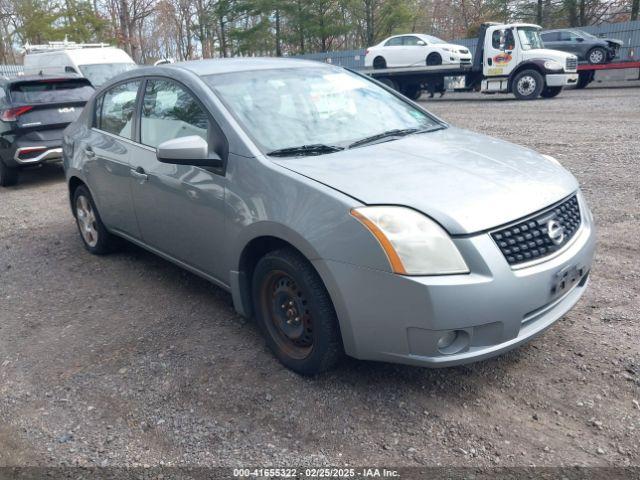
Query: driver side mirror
(191,150)
(420,43)
(579,39)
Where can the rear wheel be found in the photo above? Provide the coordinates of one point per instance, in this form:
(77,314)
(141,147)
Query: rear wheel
(597,56)
(294,311)
(389,83)
(412,91)
(8,175)
(434,59)
(379,63)
(550,92)
(94,234)
(527,85)
(584,79)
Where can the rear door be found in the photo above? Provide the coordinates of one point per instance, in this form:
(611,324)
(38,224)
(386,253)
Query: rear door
(551,40)
(47,104)
(394,52)
(107,156)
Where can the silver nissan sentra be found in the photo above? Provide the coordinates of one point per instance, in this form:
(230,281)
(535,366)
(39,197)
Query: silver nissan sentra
(343,217)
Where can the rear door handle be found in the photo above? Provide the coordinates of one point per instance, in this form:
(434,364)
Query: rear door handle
(139,174)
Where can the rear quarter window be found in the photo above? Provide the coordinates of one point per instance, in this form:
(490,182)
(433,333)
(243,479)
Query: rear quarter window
(56,91)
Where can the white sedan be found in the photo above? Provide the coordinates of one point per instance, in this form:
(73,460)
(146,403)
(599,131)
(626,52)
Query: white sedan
(414,50)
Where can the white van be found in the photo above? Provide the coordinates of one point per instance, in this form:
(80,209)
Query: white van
(98,62)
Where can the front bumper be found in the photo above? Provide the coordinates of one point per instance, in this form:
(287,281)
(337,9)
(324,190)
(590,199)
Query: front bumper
(561,79)
(394,318)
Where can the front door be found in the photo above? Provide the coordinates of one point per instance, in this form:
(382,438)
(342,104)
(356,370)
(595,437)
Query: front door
(499,62)
(180,208)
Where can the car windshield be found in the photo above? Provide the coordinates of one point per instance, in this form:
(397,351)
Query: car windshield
(51,91)
(432,39)
(294,107)
(530,38)
(99,73)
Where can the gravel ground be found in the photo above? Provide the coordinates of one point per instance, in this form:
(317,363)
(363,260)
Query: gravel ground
(127,360)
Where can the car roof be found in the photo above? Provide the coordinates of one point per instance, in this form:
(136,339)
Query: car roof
(230,65)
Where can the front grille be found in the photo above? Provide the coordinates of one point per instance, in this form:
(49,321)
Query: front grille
(572,63)
(529,239)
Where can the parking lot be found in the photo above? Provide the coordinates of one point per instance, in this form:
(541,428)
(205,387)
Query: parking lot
(128,360)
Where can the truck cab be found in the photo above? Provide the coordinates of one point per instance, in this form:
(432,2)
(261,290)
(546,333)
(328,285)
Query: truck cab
(514,60)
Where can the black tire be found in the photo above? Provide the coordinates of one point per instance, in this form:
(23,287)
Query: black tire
(584,79)
(527,85)
(101,241)
(8,175)
(434,59)
(389,83)
(412,91)
(597,56)
(379,63)
(550,92)
(295,313)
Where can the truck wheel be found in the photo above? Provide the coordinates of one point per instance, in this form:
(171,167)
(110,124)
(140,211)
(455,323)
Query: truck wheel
(434,59)
(379,63)
(527,85)
(8,175)
(389,83)
(550,92)
(94,234)
(295,313)
(584,79)
(412,91)
(597,56)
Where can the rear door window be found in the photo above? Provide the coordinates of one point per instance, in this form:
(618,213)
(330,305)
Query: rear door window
(116,108)
(169,111)
(51,91)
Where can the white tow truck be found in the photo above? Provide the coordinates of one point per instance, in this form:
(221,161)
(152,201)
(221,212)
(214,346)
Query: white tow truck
(509,58)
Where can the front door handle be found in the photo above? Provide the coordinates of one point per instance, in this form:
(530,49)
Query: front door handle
(139,174)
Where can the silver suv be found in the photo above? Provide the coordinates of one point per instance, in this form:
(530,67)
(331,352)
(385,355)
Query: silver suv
(342,216)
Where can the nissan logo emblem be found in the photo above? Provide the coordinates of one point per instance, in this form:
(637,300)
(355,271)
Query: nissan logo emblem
(555,232)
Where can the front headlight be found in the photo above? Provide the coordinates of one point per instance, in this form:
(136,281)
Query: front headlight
(413,243)
(553,65)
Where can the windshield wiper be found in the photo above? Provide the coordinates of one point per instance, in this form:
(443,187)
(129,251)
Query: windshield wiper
(398,132)
(303,150)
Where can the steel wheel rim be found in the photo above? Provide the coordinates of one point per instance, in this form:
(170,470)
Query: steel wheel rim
(86,221)
(596,56)
(527,85)
(287,314)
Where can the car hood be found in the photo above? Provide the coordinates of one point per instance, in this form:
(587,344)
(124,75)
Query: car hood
(547,54)
(451,46)
(465,181)
(614,41)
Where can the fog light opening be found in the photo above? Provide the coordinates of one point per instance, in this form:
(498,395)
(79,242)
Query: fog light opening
(453,341)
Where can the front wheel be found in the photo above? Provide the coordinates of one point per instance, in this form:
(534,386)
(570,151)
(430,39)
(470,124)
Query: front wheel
(527,85)
(295,313)
(8,176)
(550,92)
(597,56)
(434,59)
